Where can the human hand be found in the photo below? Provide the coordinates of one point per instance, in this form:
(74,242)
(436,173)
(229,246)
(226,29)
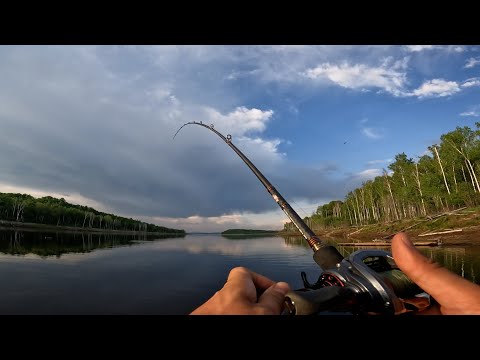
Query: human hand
(239,296)
(454,295)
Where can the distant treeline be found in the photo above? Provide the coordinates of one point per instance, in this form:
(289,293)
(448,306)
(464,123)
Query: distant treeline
(52,211)
(444,179)
(247,231)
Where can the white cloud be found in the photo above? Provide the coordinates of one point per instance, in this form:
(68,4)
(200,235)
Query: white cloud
(72,198)
(471,82)
(473,111)
(270,146)
(360,76)
(368,174)
(373,162)
(372,133)
(390,76)
(458,49)
(470,113)
(436,87)
(471,62)
(448,48)
(241,120)
(269,220)
(417,48)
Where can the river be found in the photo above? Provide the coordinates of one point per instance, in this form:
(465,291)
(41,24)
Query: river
(59,273)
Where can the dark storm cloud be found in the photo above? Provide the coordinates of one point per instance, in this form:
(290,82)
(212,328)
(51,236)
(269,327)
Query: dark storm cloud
(72,122)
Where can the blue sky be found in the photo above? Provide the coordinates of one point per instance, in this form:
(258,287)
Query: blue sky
(94,124)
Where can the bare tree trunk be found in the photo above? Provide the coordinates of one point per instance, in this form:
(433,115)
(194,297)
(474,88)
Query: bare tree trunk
(337,211)
(354,213)
(385,175)
(469,164)
(349,214)
(471,176)
(403,177)
(454,178)
(464,177)
(473,172)
(358,207)
(441,168)
(18,207)
(14,208)
(372,205)
(366,214)
(417,180)
(90,220)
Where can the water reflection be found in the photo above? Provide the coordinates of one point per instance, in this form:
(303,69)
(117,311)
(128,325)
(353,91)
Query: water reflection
(105,275)
(45,244)
(295,241)
(57,273)
(463,260)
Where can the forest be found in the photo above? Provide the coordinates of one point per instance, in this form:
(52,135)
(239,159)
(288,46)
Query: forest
(443,179)
(58,212)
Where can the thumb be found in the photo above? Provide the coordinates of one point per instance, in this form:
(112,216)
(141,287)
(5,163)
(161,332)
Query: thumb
(273,298)
(448,289)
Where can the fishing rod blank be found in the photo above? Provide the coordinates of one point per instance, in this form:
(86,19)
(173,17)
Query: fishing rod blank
(326,256)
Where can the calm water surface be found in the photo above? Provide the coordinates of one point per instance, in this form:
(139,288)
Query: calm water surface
(55,273)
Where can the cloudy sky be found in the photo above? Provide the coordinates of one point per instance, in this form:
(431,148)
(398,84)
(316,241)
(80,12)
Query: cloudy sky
(95,124)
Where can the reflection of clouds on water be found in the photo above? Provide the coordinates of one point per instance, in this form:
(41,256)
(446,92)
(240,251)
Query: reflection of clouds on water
(465,261)
(194,244)
(220,245)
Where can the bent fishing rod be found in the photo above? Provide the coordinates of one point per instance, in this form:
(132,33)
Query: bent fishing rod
(367,282)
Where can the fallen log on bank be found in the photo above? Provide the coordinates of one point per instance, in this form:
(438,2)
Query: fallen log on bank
(441,232)
(429,218)
(388,243)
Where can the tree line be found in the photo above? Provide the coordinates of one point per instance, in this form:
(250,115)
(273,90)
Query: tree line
(52,211)
(445,178)
(247,231)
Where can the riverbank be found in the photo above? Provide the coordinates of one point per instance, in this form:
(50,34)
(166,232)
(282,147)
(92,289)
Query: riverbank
(13,225)
(451,228)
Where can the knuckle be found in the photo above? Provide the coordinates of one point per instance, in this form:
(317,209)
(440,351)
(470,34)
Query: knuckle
(239,270)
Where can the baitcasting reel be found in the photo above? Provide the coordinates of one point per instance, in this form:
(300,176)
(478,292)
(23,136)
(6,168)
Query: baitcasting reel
(367,282)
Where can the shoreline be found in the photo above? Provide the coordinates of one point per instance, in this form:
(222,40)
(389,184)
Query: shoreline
(13,225)
(454,227)
(467,236)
